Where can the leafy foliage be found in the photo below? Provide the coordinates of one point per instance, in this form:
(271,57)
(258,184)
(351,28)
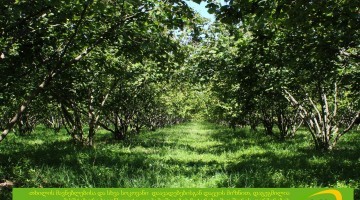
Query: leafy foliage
(285,62)
(88,60)
(85,69)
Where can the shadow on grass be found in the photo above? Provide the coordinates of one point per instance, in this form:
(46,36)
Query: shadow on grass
(252,160)
(288,163)
(62,165)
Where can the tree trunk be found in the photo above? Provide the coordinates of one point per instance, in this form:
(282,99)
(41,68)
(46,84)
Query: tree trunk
(92,121)
(268,123)
(321,124)
(72,123)
(282,124)
(24,105)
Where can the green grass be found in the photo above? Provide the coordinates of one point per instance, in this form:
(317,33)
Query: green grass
(195,154)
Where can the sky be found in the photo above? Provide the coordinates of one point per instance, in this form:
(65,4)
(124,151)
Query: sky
(201,10)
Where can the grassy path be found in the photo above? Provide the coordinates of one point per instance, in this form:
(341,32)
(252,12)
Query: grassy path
(190,154)
(195,154)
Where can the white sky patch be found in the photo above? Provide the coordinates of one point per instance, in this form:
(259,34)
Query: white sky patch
(202,10)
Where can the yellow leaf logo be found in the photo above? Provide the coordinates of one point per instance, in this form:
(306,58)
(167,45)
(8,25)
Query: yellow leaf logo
(336,194)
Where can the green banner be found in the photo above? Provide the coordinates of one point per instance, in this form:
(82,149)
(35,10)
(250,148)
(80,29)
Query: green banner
(183,194)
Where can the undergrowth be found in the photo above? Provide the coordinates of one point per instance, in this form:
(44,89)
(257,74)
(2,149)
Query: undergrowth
(196,154)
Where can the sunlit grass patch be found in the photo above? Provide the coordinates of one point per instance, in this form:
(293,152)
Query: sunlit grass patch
(35,142)
(189,155)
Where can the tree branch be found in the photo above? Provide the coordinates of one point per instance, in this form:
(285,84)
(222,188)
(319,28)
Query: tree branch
(351,125)
(314,106)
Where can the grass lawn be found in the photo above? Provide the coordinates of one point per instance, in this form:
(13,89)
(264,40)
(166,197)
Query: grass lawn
(195,154)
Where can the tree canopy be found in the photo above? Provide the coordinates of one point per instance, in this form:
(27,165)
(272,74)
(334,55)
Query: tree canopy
(123,65)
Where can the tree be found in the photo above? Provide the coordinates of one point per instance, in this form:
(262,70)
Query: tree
(49,47)
(305,52)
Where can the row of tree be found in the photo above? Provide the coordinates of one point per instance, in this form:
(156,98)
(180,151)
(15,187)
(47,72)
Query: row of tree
(284,64)
(81,65)
(126,64)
